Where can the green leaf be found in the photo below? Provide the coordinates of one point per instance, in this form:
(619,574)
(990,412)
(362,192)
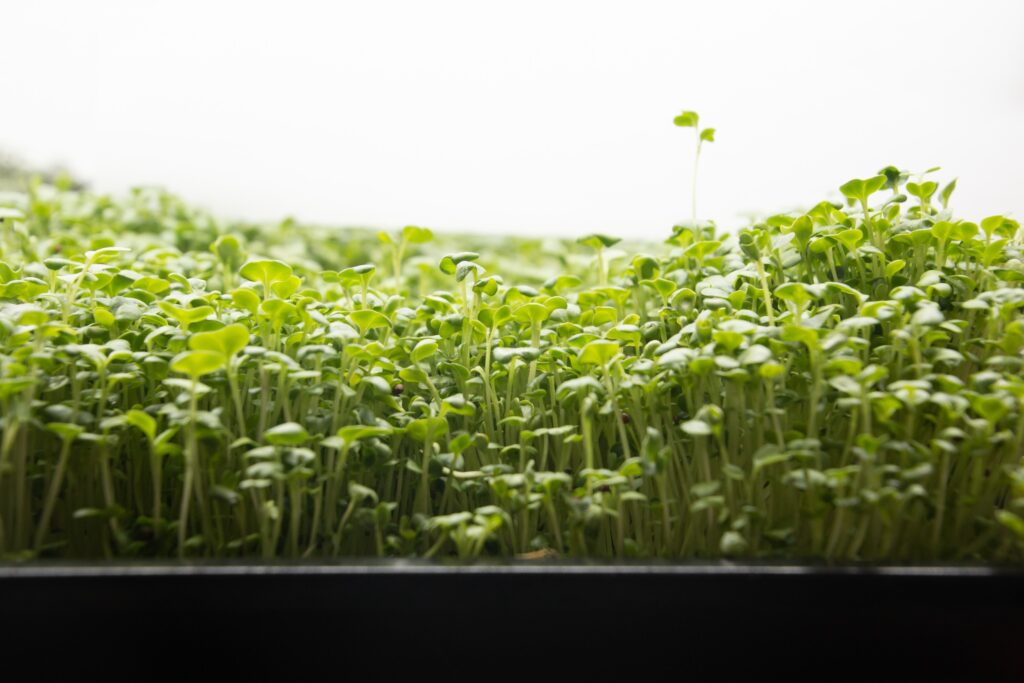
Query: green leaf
(532,313)
(965,230)
(464,268)
(599,352)
(358,492)
(664,287)
(228,249)
(894,267)
(143,422)
(795,293)
(755,355)
(861,189)
(266,271)
(874,184)
(852,189)
(494,317)
(414,375)
(707,135)
(922,191)
(449,263)
(645,267)
(286,287)
(579,386)
(460,443)
(368,319)
(696,428)
(821,244)
(846,289)
(427,429)
(286,434)
(802,228)
(227,341)
(105,255)
(562,283)
(423,350)
(416,235)
(947,192)
(803,335)
(487,285)
(457,405)
(630,334)
(186,316)
(104,317)
(246,299)
(851,238)
(992,408)
(197,363)
(893,176)
(353,433)
(942,230)
(999,226)
(356,275)
(280,312)
(598,241)
(65,430)
(701,250)
(688,119)
(771,370)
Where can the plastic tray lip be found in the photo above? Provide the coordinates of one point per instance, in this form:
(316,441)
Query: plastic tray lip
(512,569)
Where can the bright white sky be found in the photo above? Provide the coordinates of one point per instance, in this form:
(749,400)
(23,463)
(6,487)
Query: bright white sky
(533,117)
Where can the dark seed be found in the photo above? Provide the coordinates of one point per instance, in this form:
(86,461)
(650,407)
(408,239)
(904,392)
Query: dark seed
(397,389)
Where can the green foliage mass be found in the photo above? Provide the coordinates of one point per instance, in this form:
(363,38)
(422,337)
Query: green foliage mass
(842,384)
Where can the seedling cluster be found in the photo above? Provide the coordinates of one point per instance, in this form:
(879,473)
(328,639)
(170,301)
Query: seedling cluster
(842,384)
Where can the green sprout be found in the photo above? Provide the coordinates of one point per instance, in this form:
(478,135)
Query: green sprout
(838,384)
(690,119)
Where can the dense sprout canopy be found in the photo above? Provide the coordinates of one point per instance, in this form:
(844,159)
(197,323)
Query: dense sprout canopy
(841,384)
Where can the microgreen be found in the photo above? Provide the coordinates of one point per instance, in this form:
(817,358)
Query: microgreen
(690,119)
(842,383)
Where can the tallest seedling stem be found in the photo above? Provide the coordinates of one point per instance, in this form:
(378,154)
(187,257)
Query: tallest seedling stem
(693,190)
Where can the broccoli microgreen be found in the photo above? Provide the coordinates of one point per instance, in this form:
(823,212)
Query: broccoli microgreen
(841,383)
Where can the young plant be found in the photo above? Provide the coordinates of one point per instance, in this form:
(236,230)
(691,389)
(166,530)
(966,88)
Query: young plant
(690,119)
(841,384)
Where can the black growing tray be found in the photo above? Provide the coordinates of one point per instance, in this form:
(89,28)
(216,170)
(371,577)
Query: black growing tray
(970,617)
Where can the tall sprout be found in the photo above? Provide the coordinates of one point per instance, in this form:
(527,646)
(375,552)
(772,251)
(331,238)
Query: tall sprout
(690,119)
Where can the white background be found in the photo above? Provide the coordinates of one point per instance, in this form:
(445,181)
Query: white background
(534,117)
